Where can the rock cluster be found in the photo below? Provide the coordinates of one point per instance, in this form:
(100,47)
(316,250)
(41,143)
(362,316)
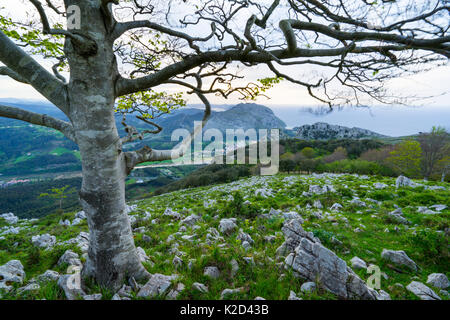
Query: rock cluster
(313,262)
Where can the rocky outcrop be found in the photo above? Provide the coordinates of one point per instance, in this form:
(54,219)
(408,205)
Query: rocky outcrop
(71,258)
(82,241)
(399,258)
(200,287)
(245,116)
(190,220)
(403,181)
(438,280)
(313,262)
(158,285)
(422,291)
(325,131)
(358,263)
(9,217)
(212,272)
(11,272)
(48,275)
(227,226)
(71,289)
(242,116)
(45,241)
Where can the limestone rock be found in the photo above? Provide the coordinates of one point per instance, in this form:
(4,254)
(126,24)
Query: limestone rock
(228,292)
(9,217)
(227,226)
(173,294)
(173,214)
(357,202)
(242,236)
(70,287)
(422,291)
(97,296)
(378,185)
(358,263)
(405,182)
(43,241)
(142,255)
(397,216)
(317,204)
(399,257)
(82,241)
(212,272)
(438,280)
(234,267)
(80,215)
(69,257)
(308,287)
(336,207)
(31,287)
(48,275)
(312,261)
(76,221)
(12,271)
(293,296)
(439,207)
(200,287)
(293,234)
(157,285)
(190,220)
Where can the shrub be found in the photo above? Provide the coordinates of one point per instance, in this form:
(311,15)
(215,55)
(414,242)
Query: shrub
(431,246)
(356,166)
(33,256)
(382,195)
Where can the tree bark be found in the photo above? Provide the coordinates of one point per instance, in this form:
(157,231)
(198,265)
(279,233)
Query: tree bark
(112,254)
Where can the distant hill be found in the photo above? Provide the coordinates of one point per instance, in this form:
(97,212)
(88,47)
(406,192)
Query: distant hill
(245,116)
(241,116)
(325,131)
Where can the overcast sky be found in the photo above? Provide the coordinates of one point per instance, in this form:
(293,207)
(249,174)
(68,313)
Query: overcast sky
(435,83)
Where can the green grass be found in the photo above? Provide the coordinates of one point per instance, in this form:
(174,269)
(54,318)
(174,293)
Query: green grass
(423,240)
(60,151)
(23,158)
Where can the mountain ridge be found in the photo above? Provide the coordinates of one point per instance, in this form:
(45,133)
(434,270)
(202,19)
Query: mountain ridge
(326,131)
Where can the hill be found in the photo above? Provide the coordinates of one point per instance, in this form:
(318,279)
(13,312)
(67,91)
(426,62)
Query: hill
(32,150)
(325,131)
(246,232)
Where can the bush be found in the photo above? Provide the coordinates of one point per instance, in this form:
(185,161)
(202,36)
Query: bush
(357,166)
(33,256)
(236,207)
(431,246)
(382,195)
(208,175)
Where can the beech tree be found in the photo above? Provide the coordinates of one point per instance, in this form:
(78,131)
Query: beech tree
(122,54)
(406,158)
(433,148)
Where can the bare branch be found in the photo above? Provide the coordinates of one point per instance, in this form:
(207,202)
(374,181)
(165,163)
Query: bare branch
(358,41)
(121,28)
(32,72)
(5,71)
(83,43)
(146,154)
(38,119)
(126,86)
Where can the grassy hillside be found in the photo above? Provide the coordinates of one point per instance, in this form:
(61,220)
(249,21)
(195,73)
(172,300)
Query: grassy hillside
(360,228)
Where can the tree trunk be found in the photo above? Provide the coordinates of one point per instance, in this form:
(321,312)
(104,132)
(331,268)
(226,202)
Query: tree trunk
(112,254)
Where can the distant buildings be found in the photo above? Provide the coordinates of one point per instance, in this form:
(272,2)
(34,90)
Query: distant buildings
(5,184)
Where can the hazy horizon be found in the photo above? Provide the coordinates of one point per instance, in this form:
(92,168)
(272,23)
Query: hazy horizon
(388,120)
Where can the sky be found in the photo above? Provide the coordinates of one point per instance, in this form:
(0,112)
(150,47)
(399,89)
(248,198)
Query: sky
(286,99)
